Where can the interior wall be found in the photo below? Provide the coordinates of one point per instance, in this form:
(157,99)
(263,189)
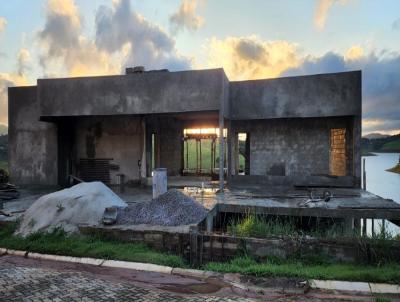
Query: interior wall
(116,137)
(292,147)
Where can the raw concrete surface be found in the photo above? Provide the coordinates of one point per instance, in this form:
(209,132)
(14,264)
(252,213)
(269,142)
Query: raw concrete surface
(321,95)
(143,93)
(32,153)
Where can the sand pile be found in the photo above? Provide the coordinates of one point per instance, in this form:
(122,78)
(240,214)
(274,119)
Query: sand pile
(83,203)
(171,209)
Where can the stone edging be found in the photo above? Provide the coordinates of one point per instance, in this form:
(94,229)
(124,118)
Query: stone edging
(364,287)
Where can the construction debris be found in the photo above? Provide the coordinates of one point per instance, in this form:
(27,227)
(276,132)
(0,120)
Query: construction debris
(83,203)
(172,208)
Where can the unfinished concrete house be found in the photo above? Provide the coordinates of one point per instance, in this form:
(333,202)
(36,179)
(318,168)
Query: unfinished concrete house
(276,145)
(302,131)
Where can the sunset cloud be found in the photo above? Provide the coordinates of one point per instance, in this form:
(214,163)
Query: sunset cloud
(3,24)
(186,17)
(245,58)
(24,58)
(355,52)
(8,80)
(120,27)
(65,51)
(322,10)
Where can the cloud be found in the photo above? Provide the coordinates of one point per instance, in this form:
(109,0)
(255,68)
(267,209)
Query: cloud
(146,44)
(355,52)
(322,10)
(250,57)
(3,24)
(24,58)
(8,80)
(380,84)
(186,17)
(396,24)
(64,50)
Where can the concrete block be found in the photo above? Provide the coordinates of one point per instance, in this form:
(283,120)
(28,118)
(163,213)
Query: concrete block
(340,285)
(17,253)
(138,266)
(381,288)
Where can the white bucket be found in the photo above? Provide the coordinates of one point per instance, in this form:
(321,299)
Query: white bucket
(159,182)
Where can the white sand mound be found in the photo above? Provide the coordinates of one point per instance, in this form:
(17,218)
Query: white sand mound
(81,204)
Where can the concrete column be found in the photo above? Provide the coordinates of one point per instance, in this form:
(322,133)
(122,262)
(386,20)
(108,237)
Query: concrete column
(229,146)
(357,151)
(221,151)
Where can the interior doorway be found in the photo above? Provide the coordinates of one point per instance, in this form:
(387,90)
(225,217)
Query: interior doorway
(201,151)
(243,153)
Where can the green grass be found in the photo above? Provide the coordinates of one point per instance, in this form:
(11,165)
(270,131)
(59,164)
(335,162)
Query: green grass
(381,298)
(259,226)
(59,243)
(4,165)
(394,145)
(205,155)
(389,273)
(256,226)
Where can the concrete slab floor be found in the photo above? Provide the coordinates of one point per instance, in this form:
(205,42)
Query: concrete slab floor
(255,196)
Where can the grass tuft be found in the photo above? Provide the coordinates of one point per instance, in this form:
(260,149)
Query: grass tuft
(60,243)
(389,273)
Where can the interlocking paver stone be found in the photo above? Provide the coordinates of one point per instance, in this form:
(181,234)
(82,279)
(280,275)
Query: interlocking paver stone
(39,284)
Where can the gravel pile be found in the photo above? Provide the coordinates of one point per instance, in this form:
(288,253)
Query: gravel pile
(171,209)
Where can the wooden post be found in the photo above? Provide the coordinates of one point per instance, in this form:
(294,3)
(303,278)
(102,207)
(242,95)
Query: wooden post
(364,176)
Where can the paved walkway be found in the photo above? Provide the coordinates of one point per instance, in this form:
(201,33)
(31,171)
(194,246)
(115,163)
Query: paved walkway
(24,279)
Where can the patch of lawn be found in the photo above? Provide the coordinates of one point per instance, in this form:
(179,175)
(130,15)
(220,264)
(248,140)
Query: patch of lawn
(4,165)
(389,273)
(59,243)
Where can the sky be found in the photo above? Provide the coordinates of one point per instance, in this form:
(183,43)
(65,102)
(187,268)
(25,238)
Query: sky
(250,39)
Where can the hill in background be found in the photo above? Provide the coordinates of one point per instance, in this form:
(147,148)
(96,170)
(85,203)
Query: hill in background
(3,129)
(376,135)
(389,144)
(3,151)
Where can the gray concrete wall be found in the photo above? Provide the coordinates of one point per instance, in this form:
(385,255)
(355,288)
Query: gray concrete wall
(293,148)
(120,138)
(32,144)
(337,94)
(168,149)
(153,92)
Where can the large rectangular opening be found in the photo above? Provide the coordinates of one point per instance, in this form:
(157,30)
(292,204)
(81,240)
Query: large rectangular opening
(201,151)
(243,153)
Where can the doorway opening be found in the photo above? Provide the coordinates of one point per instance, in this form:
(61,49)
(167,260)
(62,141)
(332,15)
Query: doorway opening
(243,153)
(201,151)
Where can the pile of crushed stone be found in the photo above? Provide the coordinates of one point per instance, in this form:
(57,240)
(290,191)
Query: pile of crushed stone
(83,203)
(172,208)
